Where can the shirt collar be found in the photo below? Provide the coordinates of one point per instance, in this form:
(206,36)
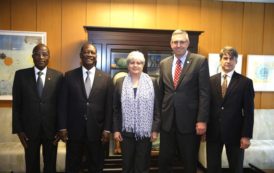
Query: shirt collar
(182,58)
(36,70)
(92,70)
(229,74)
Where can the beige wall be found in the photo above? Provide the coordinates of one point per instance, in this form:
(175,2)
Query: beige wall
(247,26)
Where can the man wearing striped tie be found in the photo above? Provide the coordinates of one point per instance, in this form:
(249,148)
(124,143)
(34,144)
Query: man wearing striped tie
(231,115)
(184,99)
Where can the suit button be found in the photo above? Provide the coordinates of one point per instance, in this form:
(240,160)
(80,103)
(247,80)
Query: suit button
(87,103)
(222,108)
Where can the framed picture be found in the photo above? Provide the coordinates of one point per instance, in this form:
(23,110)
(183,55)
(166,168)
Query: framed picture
(15,53)
(214,64)
(260,68)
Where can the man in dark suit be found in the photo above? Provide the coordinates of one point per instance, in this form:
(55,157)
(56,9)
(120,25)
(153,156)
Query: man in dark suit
(85,114)
(34,110)
(185,97)
(231,115)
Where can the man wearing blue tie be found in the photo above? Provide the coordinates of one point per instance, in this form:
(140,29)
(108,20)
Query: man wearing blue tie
(85,112)
(34,110)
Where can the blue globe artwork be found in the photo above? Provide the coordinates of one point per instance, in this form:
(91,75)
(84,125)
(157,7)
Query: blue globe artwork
(262,72)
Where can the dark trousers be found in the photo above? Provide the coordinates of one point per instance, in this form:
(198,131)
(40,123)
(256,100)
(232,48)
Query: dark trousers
(32,155)
(135,154)
(188,147)
(93,150)
(235,157)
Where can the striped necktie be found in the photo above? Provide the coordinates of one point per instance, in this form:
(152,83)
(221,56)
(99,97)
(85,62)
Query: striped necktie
(177,73)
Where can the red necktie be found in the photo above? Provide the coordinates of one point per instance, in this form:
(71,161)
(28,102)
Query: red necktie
(178,70)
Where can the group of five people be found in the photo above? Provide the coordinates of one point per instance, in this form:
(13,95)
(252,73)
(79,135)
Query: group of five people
(184,104)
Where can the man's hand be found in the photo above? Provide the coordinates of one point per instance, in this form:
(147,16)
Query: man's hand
(118,137)
(105,136)
(23,139)
(244,143)
(154,136)
(200,128)
(63,135)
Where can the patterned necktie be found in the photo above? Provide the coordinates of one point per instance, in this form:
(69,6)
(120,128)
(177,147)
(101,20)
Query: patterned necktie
(40,83)
(178,70)
(87,83)
(224,85)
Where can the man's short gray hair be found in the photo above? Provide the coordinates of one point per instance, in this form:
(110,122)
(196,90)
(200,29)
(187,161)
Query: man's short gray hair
(180,32)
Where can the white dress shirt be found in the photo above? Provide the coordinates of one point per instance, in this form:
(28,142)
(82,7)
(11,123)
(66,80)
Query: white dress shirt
(91,74)
(43,76)
(183,58)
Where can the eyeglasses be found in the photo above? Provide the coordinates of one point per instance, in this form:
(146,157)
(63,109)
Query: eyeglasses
(180,42)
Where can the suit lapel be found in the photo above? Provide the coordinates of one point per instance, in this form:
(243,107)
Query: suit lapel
(96,83)
(32,81)
(80,81)
(218,87)
(48,79)
(233,84)
(185,69)
(169,69)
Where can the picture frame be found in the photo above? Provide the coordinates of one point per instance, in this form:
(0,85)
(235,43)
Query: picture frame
(16,53)
(260,68)
(214,64)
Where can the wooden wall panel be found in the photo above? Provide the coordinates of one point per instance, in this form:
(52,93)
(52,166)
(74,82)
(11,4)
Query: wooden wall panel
(5,22)
(23,15)
(210,40)
(98,12)
(189,14)
(253,21)
(232,24)
(167,14)
(144,14)
(73,33)
(252,38)
(49,20)
(246,26)
(122,13)
(267,99)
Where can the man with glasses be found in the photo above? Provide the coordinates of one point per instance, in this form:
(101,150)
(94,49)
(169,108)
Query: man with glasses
(184,97)
(85,112)
(34,110)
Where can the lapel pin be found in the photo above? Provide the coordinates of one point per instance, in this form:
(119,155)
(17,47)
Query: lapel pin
(48,78)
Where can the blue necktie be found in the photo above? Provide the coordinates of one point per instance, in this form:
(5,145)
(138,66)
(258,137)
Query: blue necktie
(40,84)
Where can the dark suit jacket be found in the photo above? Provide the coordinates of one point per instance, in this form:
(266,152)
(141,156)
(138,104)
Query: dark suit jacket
(231,117)
(117,107)
(189,102)
(29,112)
(82,115)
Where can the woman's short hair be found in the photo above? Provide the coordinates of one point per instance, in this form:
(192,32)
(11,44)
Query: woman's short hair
(135,55)
(232,52)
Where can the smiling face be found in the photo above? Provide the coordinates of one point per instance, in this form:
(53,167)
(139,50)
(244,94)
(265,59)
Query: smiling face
(179,43)
(135,67)
(40,56)
(88,56)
